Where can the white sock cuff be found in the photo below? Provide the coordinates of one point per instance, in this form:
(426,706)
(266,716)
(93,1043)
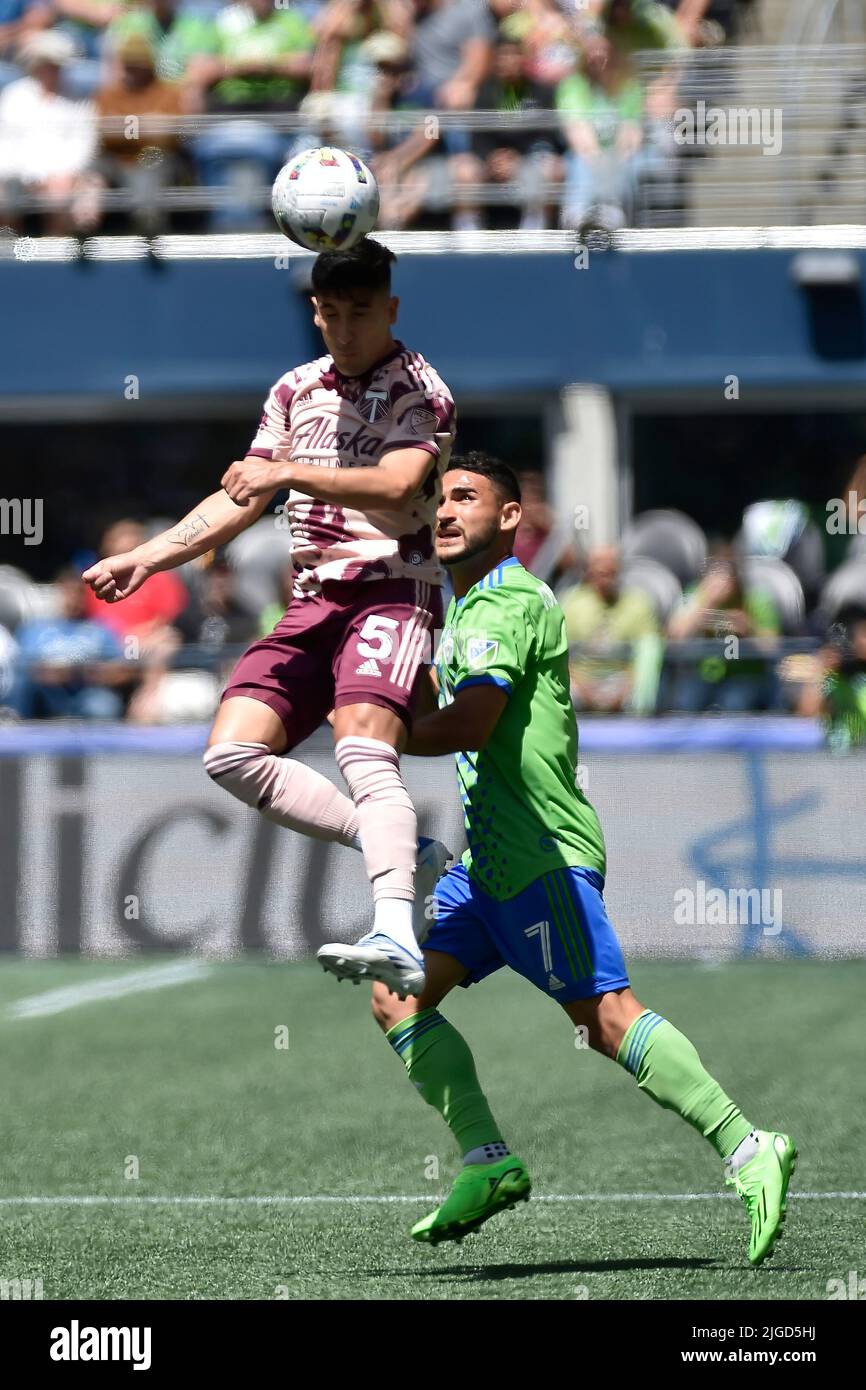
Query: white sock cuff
(350,749)
(225,757)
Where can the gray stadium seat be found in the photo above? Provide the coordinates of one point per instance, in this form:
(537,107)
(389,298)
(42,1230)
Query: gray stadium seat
(669,537)
(806,558)
(776,578)
(259,557)
(799,542)
(656,581)
(846,587)
(20,598)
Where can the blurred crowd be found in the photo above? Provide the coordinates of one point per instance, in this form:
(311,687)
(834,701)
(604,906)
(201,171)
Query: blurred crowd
(666,621)
(80,78)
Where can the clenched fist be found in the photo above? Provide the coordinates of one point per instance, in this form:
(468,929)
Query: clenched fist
(116,577)
(250,477)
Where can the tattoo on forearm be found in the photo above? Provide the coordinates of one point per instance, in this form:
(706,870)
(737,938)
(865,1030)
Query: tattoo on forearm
(187,531)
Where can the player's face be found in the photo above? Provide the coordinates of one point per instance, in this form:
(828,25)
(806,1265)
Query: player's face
(472,517)
(356,328)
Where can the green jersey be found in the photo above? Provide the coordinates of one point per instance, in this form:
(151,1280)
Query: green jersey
(524,810)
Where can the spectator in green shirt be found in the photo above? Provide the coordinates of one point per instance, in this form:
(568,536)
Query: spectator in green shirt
(176,30)
(836,694)
(601,107)
(260,59)
(723,606)
(599,617)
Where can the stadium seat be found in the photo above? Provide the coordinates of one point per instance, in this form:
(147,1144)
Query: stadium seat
(777,579)
(656,581)
(259,557)
(669,537)
(21,599)
(783,530)
(847,587)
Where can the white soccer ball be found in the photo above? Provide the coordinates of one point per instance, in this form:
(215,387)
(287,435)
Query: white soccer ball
(325,199)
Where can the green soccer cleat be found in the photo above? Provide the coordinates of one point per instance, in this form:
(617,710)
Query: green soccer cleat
(480,1190)
(763,1185)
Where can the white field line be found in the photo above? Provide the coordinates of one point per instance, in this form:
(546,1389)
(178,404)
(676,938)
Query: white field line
(55,1001)
(326,1199)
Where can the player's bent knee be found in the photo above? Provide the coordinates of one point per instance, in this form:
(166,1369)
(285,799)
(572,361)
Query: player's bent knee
(242,718)
(234,767)
(387,1008)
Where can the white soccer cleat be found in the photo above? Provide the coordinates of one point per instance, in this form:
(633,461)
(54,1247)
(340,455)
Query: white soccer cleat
(432,861)
(375,957)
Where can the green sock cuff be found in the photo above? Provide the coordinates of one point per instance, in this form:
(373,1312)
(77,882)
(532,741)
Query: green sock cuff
(633,1045)
(666,1066)
(440,1067)
(401,1035)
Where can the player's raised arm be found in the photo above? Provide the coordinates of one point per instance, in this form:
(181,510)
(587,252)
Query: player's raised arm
(390,484)
(214,522)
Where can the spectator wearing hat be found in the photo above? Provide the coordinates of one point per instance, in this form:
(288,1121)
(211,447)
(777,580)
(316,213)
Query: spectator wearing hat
(369,78)
(132,156)
(341,62)
(400,159)
(177,30)
(47,141)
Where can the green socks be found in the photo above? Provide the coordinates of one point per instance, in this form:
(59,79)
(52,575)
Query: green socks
(441,1066)
(668,1068)
(662,1060)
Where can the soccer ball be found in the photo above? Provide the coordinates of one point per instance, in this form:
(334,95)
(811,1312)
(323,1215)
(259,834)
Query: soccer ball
(325,200)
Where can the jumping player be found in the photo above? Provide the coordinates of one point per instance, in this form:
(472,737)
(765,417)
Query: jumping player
(529,890)
(359,437)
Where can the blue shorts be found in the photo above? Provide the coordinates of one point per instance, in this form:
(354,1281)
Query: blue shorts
(556,932)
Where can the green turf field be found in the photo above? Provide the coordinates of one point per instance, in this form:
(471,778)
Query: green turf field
(188,1082)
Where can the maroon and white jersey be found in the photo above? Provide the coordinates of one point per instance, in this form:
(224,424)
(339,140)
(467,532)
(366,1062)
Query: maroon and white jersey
(315,415)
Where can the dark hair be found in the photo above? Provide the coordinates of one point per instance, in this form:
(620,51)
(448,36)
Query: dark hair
(499,473)
(364,266)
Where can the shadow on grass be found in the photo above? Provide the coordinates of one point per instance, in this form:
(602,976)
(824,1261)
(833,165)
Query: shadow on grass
(530,1270)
